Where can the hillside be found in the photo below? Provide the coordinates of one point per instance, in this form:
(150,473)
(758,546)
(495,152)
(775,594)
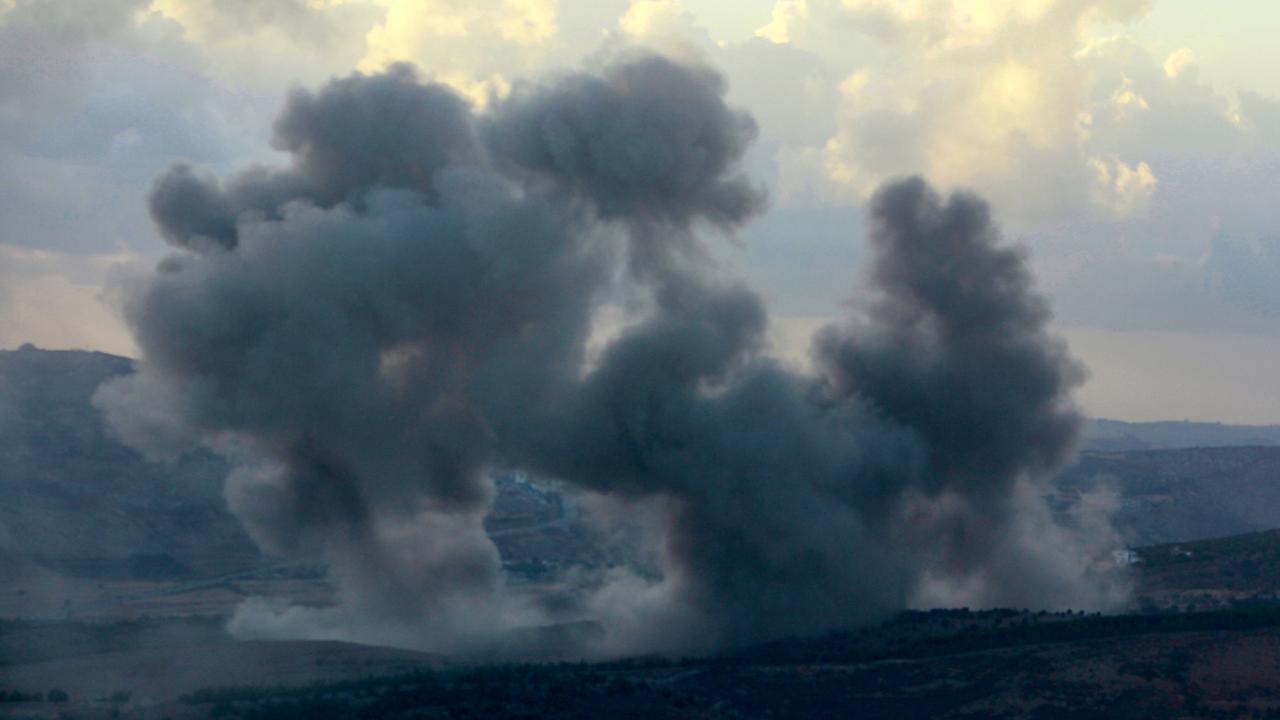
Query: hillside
(145,561)
(1179,495)
(1211,573)
(76,500)
(1204,647)
(76,503)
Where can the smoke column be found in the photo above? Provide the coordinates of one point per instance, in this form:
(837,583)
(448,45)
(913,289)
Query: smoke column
(409,303)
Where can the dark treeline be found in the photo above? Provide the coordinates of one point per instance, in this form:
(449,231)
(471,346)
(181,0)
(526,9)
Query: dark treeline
(684,687)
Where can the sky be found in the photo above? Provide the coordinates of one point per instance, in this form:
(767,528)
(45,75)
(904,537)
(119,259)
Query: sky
(1132,147)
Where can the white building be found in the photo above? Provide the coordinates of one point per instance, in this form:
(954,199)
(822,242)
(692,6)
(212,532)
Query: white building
(1125,557)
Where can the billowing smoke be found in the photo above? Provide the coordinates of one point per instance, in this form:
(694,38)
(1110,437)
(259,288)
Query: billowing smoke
(370,330)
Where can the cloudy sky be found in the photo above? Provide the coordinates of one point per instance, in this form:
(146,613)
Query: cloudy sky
(1133,146)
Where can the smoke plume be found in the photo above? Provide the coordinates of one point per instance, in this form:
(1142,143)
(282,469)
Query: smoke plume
(408,305)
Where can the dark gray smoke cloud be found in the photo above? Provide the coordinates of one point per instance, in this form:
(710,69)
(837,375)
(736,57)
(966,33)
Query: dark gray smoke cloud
(647,139)
(370,330)
(362,134)
(803,504)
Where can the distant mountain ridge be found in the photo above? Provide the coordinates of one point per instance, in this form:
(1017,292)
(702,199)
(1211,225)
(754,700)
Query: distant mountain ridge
(1117,435)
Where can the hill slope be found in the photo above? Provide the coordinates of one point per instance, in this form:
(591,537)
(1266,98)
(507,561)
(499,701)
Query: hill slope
(1179,495)
(75,499)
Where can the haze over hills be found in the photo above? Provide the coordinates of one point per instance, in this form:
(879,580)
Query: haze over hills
(75,499)
(78,501)
(1183,494)
(157,540)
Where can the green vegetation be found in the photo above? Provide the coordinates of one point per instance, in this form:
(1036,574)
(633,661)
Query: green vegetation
(1256,547)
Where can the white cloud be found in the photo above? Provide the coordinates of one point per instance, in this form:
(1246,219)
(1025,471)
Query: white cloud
(988,94)
(786,15)
(1123,189)
(1178,62)
(431,31)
